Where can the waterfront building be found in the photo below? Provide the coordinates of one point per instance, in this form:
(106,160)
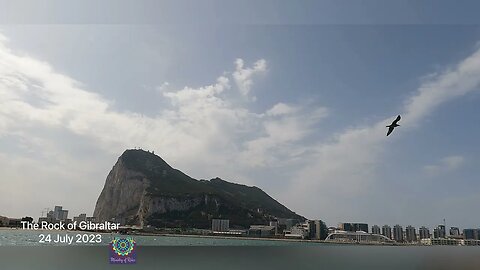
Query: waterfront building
(357,237)
(398,233)
(387,231)
(286,223)
(91,219)
(261,231)
(441,231)
(220,225)
(14,222)
(375,229)
(81,217)
(274,224)
(315,230)
(4,221)
(297,231)
(59,213)
(354,227)
(449,242)
(424,232)
(454,231)
(410,234)
(473,234)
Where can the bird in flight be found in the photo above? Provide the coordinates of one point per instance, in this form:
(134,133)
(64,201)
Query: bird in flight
(393,125)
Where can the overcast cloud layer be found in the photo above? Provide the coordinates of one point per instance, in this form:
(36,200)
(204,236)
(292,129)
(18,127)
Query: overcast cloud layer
(60,138)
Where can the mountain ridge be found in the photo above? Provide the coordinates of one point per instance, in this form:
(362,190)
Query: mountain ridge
(143,189)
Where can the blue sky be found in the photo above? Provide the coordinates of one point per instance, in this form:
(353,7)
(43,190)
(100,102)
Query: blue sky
(289,103)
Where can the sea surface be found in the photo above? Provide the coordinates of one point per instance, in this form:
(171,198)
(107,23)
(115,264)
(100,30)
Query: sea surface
(20,249)
(21,237)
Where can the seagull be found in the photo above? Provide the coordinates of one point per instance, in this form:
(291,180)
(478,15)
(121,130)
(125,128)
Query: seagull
(393,125)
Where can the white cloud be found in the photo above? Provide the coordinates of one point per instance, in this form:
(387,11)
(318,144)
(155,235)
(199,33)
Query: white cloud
(163,87)
(243,75)
(281,109)
(446,164)
(203,132)
(346,168)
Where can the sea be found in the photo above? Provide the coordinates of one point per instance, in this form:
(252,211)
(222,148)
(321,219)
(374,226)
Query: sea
(14,237)
(20,249)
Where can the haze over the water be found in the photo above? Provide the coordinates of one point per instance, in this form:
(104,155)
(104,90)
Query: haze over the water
(297,110)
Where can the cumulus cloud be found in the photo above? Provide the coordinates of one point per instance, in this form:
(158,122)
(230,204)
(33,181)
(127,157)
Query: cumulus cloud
(202,131)
(243,75)
(446,164)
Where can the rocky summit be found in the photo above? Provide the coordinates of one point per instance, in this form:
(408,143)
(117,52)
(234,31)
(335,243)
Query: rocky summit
(142,189)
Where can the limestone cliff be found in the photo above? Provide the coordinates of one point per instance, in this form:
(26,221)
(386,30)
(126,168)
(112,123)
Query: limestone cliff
(143,189)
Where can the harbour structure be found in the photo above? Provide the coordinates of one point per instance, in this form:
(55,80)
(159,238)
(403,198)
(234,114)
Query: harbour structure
(359,237)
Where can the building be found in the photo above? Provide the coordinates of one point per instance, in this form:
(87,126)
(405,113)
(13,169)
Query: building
(81,217)
(220,225)
(387,231)
(357,237)
(274,224)
(398,233)
(376,229)
(4,221)
(261,231)
(424,232)
(91,219)
(440,241)
(354,227)
(15,222)
(286,223)
(473,234)
(441,232)
(410,234)
(316,229)
(298,231)
(59,213)
(454,231)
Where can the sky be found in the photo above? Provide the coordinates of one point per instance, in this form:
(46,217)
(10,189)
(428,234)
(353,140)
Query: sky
(279,98)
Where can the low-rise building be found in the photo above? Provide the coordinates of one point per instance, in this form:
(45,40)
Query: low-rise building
(357,237)
(261,231)
(298,232)
(81,217)
(4,221)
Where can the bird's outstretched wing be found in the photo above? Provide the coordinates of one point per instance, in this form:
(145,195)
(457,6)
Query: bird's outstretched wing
(397,119)
(390,129)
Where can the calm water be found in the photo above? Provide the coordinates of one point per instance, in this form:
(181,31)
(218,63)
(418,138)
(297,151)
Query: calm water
(31,238)
(19,250)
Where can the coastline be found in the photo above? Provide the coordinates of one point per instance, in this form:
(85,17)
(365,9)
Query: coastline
(267,239)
